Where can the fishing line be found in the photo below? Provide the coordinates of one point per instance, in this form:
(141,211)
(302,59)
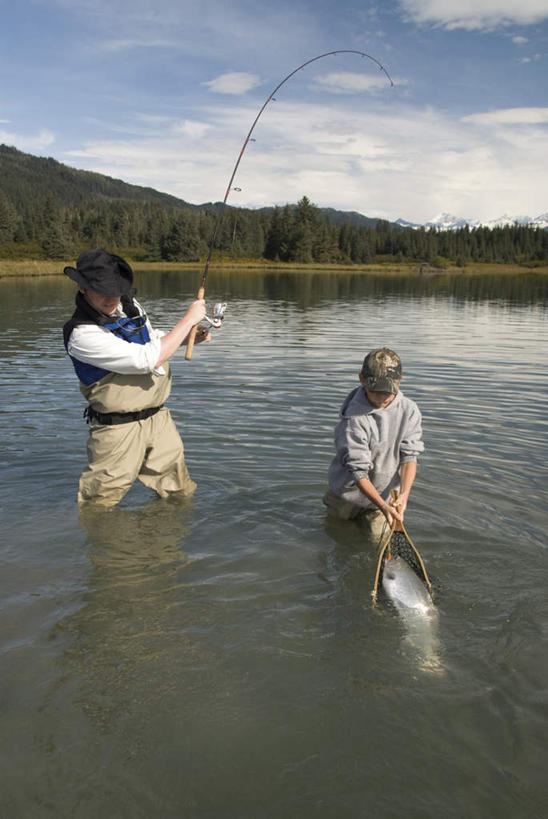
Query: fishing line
(248,139)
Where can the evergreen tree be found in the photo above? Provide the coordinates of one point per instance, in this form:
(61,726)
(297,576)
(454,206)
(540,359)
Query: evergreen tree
(9,221)
(182,243)
(55,238)
(46,205)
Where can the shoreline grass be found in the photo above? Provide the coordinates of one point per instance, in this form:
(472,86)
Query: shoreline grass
(38,268)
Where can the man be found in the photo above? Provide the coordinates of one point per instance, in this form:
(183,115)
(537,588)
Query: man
(377,440)
(121,363)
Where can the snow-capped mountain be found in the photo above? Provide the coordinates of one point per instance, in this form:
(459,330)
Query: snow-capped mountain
(446,221)
(541,221)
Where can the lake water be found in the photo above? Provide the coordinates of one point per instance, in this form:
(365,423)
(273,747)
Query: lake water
(222,658)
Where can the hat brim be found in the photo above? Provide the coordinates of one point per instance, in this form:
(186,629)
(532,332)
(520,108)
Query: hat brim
(75,275)
(119,287)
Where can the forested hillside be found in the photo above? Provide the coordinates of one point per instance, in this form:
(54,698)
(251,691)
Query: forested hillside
(48,210)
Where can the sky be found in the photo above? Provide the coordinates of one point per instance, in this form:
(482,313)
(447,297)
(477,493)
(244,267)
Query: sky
(163,93)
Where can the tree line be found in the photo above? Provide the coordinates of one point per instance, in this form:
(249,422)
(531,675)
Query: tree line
(149,230)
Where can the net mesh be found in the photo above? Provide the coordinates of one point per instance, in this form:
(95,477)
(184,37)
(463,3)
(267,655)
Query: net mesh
(399,544)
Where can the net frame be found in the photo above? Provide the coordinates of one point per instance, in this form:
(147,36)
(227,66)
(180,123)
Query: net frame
(398,543)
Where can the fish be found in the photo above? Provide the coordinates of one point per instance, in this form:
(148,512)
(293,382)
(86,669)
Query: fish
(404,587)
(413,602)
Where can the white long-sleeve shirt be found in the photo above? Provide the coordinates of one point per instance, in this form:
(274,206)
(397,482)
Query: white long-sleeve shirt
(95,345)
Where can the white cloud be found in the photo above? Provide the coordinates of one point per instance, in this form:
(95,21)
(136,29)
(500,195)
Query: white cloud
(233,83)
(475,14)
(346,82)
(510,116)
(518,40)
(381,162)
(38,142)
(149,125)
(190,128)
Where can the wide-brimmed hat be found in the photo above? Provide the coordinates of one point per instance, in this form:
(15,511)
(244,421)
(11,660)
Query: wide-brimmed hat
(382,371)
(102,272)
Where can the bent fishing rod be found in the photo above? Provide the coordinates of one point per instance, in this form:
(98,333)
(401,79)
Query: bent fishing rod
(270,98)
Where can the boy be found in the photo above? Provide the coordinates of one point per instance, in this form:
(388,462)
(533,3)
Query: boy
(377,441)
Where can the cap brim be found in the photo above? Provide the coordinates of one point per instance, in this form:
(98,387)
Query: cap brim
(383,385)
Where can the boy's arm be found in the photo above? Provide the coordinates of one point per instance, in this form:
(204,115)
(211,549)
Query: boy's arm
(370,492)
(408,471)
(397,511)
(410,448)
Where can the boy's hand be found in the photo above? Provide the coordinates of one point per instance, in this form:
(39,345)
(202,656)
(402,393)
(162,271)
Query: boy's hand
(391,513)
(400,505)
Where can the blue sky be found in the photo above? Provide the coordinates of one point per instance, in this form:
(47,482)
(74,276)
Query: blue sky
(163,92)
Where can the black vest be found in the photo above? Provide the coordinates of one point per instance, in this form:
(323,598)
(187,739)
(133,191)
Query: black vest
(131,327)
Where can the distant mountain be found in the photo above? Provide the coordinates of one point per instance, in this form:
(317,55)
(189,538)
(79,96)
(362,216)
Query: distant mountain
(539,221)
(338,217)
(24,177)
(446,221)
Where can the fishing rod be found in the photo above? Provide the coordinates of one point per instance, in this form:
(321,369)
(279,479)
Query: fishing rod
(270,98)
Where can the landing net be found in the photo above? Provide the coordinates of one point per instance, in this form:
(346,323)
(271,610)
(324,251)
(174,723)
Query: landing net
(399,544)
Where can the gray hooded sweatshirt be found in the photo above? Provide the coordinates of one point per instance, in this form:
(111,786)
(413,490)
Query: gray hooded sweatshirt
(373,443)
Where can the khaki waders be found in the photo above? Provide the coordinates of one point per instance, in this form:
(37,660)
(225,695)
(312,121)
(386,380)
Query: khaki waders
(371,520)
(150,450)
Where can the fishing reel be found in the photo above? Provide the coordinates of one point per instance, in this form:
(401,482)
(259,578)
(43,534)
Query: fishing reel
(218,315)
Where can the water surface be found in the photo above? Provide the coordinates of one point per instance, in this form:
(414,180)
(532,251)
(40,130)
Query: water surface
(221,657)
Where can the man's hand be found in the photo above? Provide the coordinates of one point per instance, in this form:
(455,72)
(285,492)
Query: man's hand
(178,334)
(202,334)
(196,311)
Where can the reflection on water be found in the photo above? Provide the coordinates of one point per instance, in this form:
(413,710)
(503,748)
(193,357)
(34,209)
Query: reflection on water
(305,288)
(120,636)
(308,289)
(222,657)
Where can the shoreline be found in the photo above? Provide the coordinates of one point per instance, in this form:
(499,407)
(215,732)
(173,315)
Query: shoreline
(29,268)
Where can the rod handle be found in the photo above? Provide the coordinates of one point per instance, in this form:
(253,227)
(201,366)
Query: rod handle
(192,334)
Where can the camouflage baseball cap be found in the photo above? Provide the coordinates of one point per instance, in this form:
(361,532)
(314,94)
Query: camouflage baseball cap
(382,371)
